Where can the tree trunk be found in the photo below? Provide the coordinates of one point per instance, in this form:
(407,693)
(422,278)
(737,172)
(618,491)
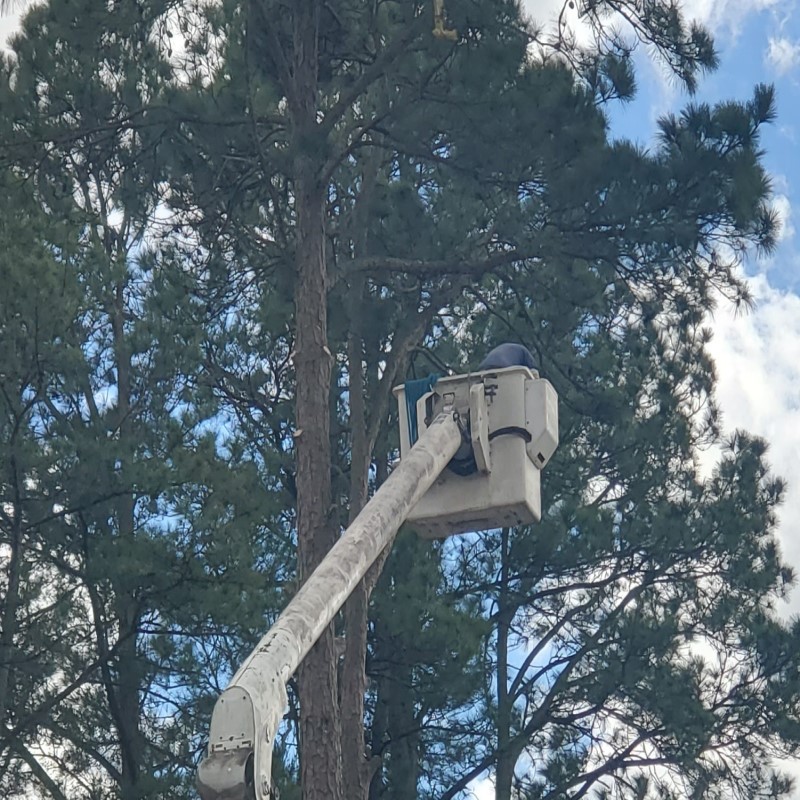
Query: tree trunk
(357,766)
(320,730)
(504,774)
(320,726)
(8,624)
(403,773)
(125,603)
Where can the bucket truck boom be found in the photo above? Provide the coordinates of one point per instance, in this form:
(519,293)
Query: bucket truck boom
(496,430)
(247,714)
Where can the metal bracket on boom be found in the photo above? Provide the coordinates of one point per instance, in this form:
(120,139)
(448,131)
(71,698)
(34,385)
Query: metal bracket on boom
(439,31)
(243,728)
(479,428)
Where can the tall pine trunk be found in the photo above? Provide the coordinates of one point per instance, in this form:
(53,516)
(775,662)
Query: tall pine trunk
(357,767)
(126,604)
(10,603)
(320,726)
(320,730)
(504,774)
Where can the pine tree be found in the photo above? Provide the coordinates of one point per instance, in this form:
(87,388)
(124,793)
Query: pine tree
(433,171)
(150,528)
(36,324)
(342,186)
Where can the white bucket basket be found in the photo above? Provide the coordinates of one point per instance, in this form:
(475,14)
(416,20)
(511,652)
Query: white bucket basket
(510,420)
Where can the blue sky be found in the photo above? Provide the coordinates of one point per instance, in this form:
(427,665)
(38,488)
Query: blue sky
(758,42)
(757,354)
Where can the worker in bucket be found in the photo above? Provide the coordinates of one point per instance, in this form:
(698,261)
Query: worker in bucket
(508,354)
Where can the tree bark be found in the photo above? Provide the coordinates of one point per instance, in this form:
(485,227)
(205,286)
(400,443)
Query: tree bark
(8,623)
(126,606)
(320,726)
(504,773)
(320,730)
(356,766)
(405,760)
(397,687)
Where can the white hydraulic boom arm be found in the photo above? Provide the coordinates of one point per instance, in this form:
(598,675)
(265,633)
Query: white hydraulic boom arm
(248,713)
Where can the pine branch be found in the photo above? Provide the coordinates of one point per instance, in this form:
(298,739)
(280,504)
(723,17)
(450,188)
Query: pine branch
(39,772)
(473,267)
(375,71)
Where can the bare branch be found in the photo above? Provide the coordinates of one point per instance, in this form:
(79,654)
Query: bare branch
(455,266)
(39,772)
(370,75)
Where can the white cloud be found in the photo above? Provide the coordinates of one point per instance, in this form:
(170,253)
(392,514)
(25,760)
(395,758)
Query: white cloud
(720,16)
(783,54)
(482,789)
(758,365)
(547,14)
(544,12)
(725,16)
(9,24)
(781,204)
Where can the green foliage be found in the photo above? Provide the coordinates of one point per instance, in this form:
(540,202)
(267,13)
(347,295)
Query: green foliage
(146,533)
